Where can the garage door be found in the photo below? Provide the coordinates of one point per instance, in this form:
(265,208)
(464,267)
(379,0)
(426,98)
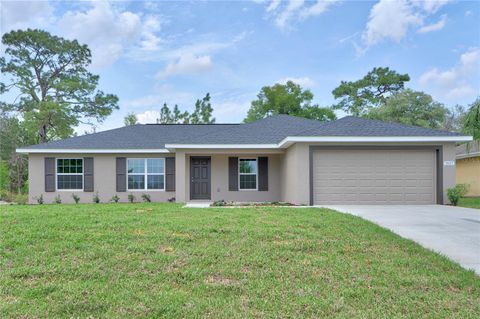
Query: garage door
(374,177)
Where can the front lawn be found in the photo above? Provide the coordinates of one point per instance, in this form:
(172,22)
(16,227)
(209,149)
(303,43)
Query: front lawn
(161,260)
(472,202)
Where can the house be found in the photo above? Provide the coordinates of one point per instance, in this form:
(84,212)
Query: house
(468,167)
(280,158)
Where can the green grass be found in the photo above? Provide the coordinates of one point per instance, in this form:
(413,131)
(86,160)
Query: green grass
(161,260)
(472,202)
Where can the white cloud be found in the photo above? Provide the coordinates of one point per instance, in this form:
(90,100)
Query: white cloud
(186,64)
(148,117)
(24,14)
(109,30)
(434,26)
(468,13)
(455,82)
(391,20)
(305,82)
(431,6)
(293,11)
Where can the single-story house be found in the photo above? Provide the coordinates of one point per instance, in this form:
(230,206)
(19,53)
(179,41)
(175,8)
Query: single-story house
(280,158)
(468,166)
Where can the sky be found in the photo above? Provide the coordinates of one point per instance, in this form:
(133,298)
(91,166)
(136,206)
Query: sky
(149,53)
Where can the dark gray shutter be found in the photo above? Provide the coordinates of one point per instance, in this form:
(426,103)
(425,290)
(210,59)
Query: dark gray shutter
(121,174)
(88,174)
(263,173)
(233,173)
(49,174)
(170,174)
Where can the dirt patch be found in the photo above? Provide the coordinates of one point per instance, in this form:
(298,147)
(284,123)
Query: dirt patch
(221,281)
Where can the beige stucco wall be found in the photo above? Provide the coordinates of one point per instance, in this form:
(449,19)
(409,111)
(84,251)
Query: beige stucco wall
(295,169)
(289,178)
(219,178)
(104,180)
(468,172)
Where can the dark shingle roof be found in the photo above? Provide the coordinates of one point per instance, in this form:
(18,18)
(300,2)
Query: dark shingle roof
(468,149)
(271,130)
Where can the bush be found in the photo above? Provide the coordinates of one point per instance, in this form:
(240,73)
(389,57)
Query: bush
(96,198)
(457,192)
(21,199)
(131,198)
(39,199)
(57,200)
(146,198)
(76,198)
(115,198)
(219,203)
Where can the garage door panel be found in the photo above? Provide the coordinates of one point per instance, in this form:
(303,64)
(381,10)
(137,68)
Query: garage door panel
(374,176)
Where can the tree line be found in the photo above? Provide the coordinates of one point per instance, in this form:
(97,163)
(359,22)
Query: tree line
(51,92)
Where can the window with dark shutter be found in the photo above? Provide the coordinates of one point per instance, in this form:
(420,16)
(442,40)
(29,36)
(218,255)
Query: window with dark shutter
(233,173)
(170,174)
(49,174)
(88,174)
(263,173)
(121,170)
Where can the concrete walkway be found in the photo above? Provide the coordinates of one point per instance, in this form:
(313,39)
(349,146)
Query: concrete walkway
(451,231)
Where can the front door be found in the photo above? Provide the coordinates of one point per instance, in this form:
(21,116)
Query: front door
(200,177)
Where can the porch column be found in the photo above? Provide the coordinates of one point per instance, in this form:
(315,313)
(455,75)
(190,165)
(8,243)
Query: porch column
(180,177)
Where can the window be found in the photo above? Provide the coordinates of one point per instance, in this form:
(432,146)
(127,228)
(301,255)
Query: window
(70,173)
(146,173)
(248,173)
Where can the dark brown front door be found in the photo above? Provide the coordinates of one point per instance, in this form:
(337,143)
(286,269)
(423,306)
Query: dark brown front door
(200,177)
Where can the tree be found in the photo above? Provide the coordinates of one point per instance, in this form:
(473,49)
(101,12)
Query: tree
(289,99)
(203,111)
(130,119)
(55,90)
(412,108)
(165,115)
(454,119)
(471,125)
(179,116)
(358,97)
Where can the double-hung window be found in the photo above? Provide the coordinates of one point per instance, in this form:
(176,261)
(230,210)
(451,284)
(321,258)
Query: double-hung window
(70,173)
(146,173)
(247,173)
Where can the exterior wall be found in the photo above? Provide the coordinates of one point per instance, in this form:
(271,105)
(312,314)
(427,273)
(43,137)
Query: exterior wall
(295,169)
(219,179)
(468,172)
(288,177)
(295,186)
(104,180)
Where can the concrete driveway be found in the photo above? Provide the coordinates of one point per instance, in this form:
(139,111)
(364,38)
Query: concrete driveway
(451,231)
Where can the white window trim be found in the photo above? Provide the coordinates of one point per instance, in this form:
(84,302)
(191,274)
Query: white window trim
(256,177)
(145,175)
(57,173)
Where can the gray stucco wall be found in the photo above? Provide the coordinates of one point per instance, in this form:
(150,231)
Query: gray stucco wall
(104,180)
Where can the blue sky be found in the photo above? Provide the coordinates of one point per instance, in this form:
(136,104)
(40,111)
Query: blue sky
(149,53)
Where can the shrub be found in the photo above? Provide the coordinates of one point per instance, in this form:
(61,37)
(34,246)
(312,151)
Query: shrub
(219,203)
(146,198)
(39,199)
(76,198)
(96,198)
(115,198)
(131,198)
(57,200)
(457,192)
(21,199)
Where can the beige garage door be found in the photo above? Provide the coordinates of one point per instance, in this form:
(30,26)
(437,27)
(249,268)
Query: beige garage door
(374,177)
